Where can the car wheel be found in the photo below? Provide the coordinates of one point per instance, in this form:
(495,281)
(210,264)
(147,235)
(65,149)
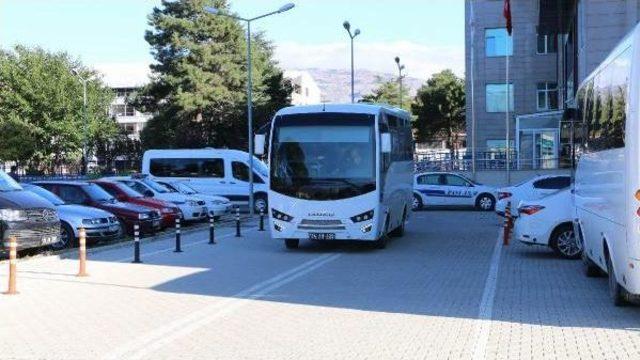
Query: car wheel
(616,292)
(67,238)
(417,203)
(564,242)
(292,243)
(399,231)
(485,202)
(260,204)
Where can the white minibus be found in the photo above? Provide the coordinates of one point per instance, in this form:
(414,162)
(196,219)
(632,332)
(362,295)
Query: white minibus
(339,172)
(607,178)
(221,172)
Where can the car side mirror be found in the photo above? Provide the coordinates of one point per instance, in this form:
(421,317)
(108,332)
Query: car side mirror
(259,142)
(385,143)
(148,193)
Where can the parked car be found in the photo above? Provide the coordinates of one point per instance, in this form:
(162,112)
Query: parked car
(32,220)
(169,211)
(450,189)
(533,189)
(217,205)
(98,224)
(222,172)
(192,208)
(549,222)
(88,194)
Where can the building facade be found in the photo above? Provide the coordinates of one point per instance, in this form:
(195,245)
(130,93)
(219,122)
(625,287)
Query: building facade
(305,88)
(130,119)
(555,44)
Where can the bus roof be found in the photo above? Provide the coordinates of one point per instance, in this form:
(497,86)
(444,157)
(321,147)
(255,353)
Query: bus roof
(359,108)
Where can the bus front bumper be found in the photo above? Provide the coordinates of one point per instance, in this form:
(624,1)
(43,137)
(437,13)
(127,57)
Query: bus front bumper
(364,231)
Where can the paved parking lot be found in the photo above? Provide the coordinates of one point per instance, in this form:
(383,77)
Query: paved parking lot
(447,290)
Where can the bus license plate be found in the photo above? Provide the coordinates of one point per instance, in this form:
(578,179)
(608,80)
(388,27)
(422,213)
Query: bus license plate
(322,236)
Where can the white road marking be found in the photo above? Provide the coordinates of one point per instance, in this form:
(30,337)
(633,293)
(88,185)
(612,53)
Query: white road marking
(483,324)
(178,328)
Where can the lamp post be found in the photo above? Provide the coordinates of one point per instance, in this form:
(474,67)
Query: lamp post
(347,26)
(215,11)
(84,118)
(400,68)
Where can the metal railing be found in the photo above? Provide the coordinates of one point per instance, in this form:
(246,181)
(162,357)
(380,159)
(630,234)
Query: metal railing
(484,160)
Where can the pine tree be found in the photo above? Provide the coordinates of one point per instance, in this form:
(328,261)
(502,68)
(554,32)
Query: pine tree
(198,87)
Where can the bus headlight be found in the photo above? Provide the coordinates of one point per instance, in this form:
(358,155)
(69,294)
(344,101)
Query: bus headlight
(281,216)
(362,217)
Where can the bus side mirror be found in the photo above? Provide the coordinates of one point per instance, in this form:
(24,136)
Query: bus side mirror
(385,143)
(258,141)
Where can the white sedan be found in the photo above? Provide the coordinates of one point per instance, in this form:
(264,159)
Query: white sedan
(218,206)
(548,222)
(451,189)
(533,189)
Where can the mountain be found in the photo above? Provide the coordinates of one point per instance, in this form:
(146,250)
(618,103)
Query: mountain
(335,84)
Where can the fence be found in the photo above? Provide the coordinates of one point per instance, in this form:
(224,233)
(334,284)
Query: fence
(484,160)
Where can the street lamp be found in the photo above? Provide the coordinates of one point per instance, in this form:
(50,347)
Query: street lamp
(400,68)
(84,82)
(353,35)
(216,11)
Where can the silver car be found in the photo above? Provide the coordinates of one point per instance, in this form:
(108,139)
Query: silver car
(98,224)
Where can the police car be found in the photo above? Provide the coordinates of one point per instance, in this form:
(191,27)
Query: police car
(451,189)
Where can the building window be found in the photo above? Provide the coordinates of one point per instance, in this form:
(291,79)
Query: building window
(499,145)
(547,95)
(498,42)
(130,129)
(547,44)
(496,96)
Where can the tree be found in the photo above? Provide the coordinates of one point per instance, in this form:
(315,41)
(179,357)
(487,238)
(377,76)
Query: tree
(198,85)
(439,108)
(388,92)
(41,109)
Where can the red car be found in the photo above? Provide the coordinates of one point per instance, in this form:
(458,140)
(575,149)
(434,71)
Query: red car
(122,192)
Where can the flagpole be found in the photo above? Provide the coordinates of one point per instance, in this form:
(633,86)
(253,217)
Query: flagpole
(507,122)
(472,25)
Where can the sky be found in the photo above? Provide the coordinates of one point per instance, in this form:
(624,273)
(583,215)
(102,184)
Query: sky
(428,35)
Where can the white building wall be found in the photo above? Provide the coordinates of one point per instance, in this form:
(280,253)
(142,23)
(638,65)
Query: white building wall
(305,89)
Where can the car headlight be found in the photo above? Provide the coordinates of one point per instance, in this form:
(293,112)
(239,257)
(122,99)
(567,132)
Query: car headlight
(192,203)
(216,202)
(281,216)
(362,217)
(143,216)
(13,215)
(95,221)
(167,210)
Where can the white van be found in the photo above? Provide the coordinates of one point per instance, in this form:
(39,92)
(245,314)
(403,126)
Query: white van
(607,180)
(211,171)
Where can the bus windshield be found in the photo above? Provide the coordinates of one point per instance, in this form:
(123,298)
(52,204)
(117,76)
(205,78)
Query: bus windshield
(324,156)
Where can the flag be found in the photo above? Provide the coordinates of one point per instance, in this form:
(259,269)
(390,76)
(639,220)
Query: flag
(507,15)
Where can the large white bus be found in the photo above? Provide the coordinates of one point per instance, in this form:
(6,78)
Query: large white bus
(339,172)
(607,179)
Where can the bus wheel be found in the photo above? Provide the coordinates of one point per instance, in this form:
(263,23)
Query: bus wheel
(616,292)
(291,243)
(399,231)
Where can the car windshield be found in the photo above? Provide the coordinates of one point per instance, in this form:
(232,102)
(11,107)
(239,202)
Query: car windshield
(157,187)
(184,188)
(96,193)
(325,156)
(7,183)
(48,195)
(128,191)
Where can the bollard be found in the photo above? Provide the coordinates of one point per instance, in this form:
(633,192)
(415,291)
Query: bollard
(13,256)
(178,247)
(238,222)
(82,251)
(261,220)
(507,224)
(136,244)
(212,230)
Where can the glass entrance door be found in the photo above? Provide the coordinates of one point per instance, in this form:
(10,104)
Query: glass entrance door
(546,149)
